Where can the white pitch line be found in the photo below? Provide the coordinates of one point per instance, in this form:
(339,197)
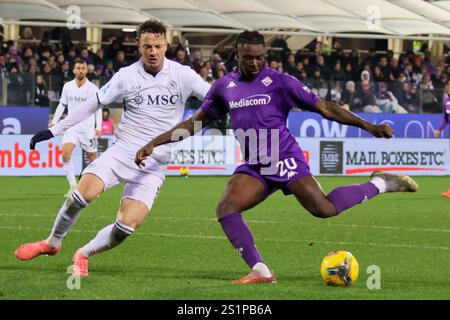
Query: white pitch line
(175,235)
(289,222)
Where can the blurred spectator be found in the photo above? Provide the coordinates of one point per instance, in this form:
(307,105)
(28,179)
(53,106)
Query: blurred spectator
(174,47)
(290,66)
(16,87)
(84,55)
(109,69)
(281,48)
(338,74)
(99,57)
(273,64)
(378,76)
(428,100)
(28,34)
(409,98)
(71,56)
(32,69)
(91,75)
(354,59)
(438,78)
(41,92)
(298,70)
(66,74)
(204,72)
(385,69)
(410,75)
(3,66)
(45,54)
(13,55)
(365,76)
(120,61)
(387,102)
(222,51)
(197,63)
(338,55)
(368,99)
(318,81)
(372,58)
(27,55)
(219,69)
(351,73)
(107,123)
(181,58)
(394,69)
(320,63)
(350,97)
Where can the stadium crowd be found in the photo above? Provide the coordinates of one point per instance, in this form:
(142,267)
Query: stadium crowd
(373,82)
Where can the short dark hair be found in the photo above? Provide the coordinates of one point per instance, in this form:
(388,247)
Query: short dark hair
(78,60)
(246,37)
(152,26)
(251,37)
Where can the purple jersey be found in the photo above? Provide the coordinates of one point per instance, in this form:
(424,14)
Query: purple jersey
(260,103)
(446,119)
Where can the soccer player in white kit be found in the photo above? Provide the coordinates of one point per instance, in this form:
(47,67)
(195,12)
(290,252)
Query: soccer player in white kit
(154,91)
(86,132)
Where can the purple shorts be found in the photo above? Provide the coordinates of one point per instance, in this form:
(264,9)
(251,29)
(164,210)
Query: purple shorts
(288,171)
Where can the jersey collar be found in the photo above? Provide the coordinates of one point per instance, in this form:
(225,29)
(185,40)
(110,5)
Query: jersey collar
(147,75)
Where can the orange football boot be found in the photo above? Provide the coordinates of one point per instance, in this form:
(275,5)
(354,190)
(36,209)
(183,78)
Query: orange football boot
(80,264)
(254,278)
(31,250)
(446,194)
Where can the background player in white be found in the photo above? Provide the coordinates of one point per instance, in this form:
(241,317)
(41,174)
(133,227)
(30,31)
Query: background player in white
(154,91)
(84,133)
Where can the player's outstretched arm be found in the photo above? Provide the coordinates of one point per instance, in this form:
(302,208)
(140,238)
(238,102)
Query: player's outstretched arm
(181,131)
(83,111)
(334,112)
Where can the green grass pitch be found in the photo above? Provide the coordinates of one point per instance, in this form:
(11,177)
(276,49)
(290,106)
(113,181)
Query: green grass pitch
(181,253)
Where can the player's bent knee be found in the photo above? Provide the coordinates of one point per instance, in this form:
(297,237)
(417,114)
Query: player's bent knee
(322,212)
(225,208)
(90,186)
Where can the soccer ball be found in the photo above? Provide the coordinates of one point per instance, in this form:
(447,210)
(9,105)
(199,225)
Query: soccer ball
(339,268)
(184,171)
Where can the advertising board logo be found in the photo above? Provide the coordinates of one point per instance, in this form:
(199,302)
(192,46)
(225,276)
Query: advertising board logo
(331,157)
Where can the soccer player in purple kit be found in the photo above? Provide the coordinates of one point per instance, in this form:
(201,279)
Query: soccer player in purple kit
(445,121)
(258,98)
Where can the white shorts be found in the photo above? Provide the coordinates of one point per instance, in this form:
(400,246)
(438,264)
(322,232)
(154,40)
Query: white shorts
(116,165)
(86,139)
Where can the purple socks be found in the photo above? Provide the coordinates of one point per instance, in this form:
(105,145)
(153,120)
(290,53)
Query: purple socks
(348,196)
(241,238)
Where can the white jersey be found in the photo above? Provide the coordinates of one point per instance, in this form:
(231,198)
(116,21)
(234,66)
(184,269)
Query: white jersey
(152,104)
(73,96)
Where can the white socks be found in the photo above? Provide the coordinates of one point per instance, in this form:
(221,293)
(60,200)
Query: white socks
(107,238)
(67,216)
(379,183)
(70,173)
(262,270)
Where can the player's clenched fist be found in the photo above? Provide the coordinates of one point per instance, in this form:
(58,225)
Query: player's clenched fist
(381,131)
(40,136)
(142,154)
